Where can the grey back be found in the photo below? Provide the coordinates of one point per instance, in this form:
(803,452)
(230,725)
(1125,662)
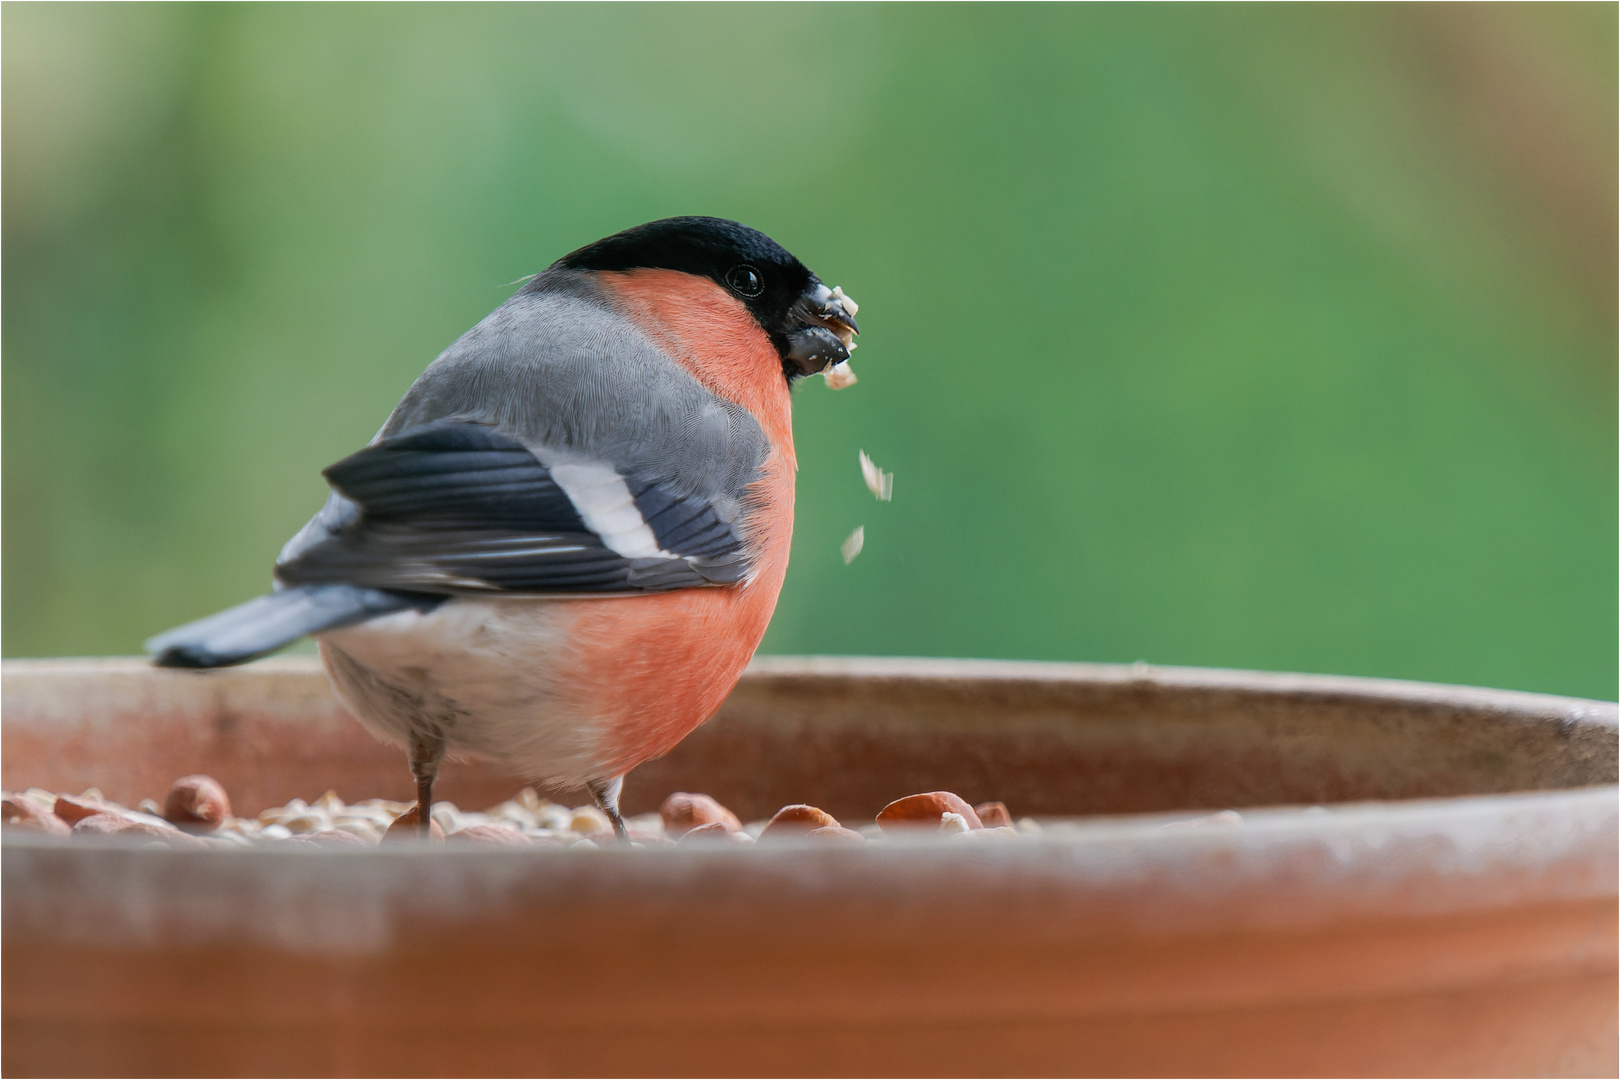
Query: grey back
(558,369)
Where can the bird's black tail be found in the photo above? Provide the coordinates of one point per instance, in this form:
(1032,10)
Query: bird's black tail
(261,626)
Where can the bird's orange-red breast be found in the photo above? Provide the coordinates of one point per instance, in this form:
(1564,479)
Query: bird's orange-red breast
(656,667)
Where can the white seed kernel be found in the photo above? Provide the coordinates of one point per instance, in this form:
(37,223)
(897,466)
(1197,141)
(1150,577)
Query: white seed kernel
(878,482)
(839,376)
(852,544)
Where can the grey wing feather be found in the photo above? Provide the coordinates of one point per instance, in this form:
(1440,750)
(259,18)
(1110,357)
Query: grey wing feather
(455,507)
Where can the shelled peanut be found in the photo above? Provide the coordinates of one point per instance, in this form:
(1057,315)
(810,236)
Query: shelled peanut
(196,812)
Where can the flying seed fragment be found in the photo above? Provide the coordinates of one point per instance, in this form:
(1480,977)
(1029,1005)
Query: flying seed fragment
(852,546)
(878,482)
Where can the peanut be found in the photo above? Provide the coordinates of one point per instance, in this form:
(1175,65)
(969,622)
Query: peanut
(119,825)
(24,813)
(684,811)
(798,819)
(926,810)
(75,808)
(589,820)
(408,827)
(993,815)
(489,834)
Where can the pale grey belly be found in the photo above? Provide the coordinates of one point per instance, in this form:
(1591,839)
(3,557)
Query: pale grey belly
(491,677)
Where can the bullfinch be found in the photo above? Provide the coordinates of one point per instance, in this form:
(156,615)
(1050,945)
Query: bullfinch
(566,542)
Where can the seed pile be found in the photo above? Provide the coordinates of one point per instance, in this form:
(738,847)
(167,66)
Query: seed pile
(197,813)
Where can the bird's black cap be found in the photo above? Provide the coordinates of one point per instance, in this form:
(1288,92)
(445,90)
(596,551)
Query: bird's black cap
(745,262)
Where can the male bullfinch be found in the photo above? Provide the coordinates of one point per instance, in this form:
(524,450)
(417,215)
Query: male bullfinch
(565,544)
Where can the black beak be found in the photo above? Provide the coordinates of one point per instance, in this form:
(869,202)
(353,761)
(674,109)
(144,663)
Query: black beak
(823,329)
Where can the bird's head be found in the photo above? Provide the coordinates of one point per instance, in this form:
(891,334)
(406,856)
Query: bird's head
(811,326)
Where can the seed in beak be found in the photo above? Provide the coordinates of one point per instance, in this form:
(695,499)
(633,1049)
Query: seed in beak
(839,376)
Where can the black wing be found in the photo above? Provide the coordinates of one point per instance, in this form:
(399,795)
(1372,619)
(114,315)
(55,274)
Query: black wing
(456,507)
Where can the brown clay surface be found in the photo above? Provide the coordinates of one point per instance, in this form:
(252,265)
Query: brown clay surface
(1465,957)
(1448,936)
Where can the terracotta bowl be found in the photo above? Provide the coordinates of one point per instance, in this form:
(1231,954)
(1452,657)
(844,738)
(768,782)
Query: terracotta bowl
(1422,881)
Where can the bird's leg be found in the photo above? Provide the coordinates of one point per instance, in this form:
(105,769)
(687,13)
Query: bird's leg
(427,750)
(606,794)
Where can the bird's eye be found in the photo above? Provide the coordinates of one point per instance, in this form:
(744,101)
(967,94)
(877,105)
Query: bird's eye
(746,281)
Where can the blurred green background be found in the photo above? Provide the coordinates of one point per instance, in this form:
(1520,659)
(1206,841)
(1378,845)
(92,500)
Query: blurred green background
(1254,336)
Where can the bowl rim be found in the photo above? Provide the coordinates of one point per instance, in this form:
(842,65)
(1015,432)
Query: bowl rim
(1556,844)
(1273,683)
(963,670)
